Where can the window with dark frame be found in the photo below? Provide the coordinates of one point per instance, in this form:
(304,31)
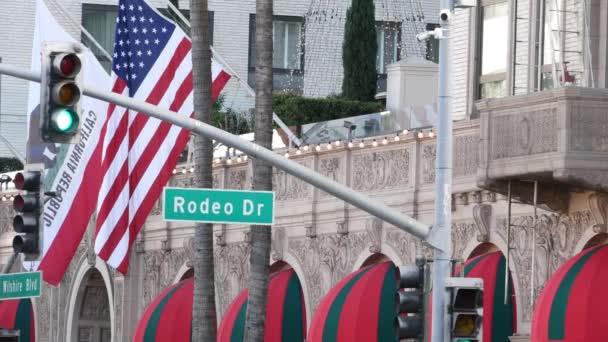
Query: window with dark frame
(388,40)
(288,53)
(432,45)
(553,14)
(100,22)
(493,47)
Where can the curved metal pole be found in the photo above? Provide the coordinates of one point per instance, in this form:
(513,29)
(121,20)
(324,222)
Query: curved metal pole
(365,203)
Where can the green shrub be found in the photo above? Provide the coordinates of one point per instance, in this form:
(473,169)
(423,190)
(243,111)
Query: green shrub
(228,119)
(359,51)
(10,164)
(296,110)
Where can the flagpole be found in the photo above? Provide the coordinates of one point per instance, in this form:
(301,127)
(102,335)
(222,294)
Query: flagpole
(233,73)
(83,30)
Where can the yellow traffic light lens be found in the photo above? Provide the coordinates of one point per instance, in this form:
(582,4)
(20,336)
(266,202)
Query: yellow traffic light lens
(64,121)
(465,325)
(66,93)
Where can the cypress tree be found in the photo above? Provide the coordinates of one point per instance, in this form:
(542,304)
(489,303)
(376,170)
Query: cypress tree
(359,52)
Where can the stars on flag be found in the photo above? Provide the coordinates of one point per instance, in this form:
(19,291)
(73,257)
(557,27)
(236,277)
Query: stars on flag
(138,25)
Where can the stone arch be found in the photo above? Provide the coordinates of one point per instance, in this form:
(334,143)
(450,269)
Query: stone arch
(185,271)
(596,240)
(475,248)
(290,261)
(590,237)
(91,288)
(387,251)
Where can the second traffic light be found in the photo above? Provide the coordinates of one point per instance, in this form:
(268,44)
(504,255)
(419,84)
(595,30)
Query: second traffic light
(28,206)
(61,92)
(410,300)
(466,308)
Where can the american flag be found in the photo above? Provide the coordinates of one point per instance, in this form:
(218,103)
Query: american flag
(151,61)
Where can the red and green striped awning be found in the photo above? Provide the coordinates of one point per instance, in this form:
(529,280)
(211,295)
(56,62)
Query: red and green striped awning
(361,307)
(285,312)
(573,305)
(499,320)
(18,314)
(169,316)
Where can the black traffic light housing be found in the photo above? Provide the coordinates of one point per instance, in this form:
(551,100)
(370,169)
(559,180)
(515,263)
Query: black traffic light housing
(28,206)
(466,308)
(410,297)
(61,92)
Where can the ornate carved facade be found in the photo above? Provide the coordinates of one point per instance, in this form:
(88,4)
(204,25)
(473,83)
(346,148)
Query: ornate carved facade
(324,240)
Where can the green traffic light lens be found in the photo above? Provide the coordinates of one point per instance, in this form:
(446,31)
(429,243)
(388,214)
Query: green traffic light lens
(64,121)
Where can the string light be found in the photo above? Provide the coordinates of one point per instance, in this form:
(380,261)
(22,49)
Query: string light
(286,154)
(318,148)
(329,147)
(375,143)
(338,142)
(405,131)
(361,144)
(350,144)
(184,171)
(306,148)
(217,160)
(239,159)
(397,138)
(245,158)
(229,161)
(174,171)
(420,135)
(431,134)
(384,141)
(192,169)
(298,152)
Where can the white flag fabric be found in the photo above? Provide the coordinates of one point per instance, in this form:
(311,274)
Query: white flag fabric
(152,62)
(71,170)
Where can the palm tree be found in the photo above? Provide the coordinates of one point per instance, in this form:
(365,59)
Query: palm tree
(204,321)
(262,173)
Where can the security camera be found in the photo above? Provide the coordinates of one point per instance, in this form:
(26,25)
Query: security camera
(426,35)
(444,15)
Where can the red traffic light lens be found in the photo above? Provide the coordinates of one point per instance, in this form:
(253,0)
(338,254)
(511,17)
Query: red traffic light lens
(19,181)
(18,203)
(69,64)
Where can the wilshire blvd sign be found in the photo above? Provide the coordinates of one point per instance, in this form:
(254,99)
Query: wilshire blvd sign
(218,206)
(20,285)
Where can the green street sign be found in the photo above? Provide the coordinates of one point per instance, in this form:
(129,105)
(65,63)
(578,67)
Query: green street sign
(20,285)
(218,206)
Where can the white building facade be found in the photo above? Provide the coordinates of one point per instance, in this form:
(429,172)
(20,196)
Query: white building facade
(529,84)
(308,44)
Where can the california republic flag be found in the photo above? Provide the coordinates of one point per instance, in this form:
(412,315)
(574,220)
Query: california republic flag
(73,171)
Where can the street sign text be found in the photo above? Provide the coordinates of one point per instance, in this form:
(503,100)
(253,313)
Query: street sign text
(218,206)
(20,285)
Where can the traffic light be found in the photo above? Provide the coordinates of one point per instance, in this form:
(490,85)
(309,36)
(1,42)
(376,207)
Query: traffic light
(410,318)
(61,92)
(28,207)
(466,308)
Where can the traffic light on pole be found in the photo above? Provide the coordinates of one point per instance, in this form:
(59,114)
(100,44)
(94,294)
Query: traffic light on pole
(61,92)
(28,206)
(409,322)
(466,308)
